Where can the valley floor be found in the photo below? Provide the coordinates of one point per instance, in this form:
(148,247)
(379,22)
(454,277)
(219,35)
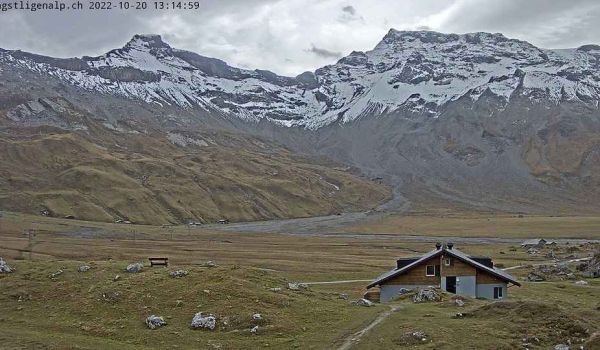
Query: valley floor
(90,310)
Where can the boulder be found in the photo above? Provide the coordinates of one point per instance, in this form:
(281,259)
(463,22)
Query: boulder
(343,296)
(134,268)
(426,295)
(411,338)
(581,283)
(154,322)
(297,286)
(254,330)
(276,289)
(459,302)
(178,273)
(364,302)
(210,263)
(84,268)
(4,268)
(534,277)
(201,321)
(56,274)
(257,317)
(116,278)
(561,347)
(403,291)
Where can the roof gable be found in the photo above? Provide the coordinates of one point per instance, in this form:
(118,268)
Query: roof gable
(452,252)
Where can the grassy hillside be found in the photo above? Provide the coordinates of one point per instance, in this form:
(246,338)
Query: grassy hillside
(89,310)
(170,178)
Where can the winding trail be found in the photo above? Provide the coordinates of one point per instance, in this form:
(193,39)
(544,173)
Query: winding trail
(354,338)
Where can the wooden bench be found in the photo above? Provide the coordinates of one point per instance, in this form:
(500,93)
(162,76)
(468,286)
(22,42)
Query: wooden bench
(159,261)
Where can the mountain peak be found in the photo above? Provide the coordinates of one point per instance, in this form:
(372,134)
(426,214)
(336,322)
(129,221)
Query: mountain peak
(150,41)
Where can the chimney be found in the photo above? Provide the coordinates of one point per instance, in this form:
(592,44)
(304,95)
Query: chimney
(438,245)
(450,245)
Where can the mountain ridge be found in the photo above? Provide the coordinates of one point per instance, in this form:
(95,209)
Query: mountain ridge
(412,71)
(475,119)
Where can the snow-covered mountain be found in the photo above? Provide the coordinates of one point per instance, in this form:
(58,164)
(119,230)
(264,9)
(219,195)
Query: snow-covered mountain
(415,72)
(476,119)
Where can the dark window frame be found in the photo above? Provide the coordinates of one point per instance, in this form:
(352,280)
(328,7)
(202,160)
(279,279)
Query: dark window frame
(427,271)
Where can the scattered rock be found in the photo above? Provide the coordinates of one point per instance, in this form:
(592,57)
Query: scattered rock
(4,268)
(56,274)
(561,347)
(179,303)
(534,277)
(403,291)
(425,295)
(297,286)
(581,283)
(257,317)
(178,273)
(459,302)
(343,296)
(254,330)
(154,322)
(592,268)
(276,290)
(364,302)
(412,338)
(206,291)
(111,296)
(135,267)
(116,278)
(532,251)
(210,263)
(84,268)
(201,321)
(458,315)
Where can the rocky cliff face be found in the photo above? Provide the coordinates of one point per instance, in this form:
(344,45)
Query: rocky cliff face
(478,119)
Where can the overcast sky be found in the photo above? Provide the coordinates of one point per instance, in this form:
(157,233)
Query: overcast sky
(292,36)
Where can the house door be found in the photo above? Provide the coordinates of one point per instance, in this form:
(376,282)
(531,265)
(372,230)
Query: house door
(451,284)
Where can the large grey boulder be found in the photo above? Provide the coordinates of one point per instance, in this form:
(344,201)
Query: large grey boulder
(154,322)
(4,268)
(135,267)
(201,321)
(425,295)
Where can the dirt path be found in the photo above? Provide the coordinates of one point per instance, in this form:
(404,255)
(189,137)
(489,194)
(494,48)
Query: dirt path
(354,338)
(547,263)
(336,282)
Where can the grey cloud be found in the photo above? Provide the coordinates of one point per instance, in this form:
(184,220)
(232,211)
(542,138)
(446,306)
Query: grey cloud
(274,34)
(324,52)
(349,10)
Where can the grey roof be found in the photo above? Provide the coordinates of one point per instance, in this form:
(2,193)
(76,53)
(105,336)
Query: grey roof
(453,252)
(396,272)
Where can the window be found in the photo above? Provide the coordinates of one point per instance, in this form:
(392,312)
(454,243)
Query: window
(448,261)
(430,270)
(498,292)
